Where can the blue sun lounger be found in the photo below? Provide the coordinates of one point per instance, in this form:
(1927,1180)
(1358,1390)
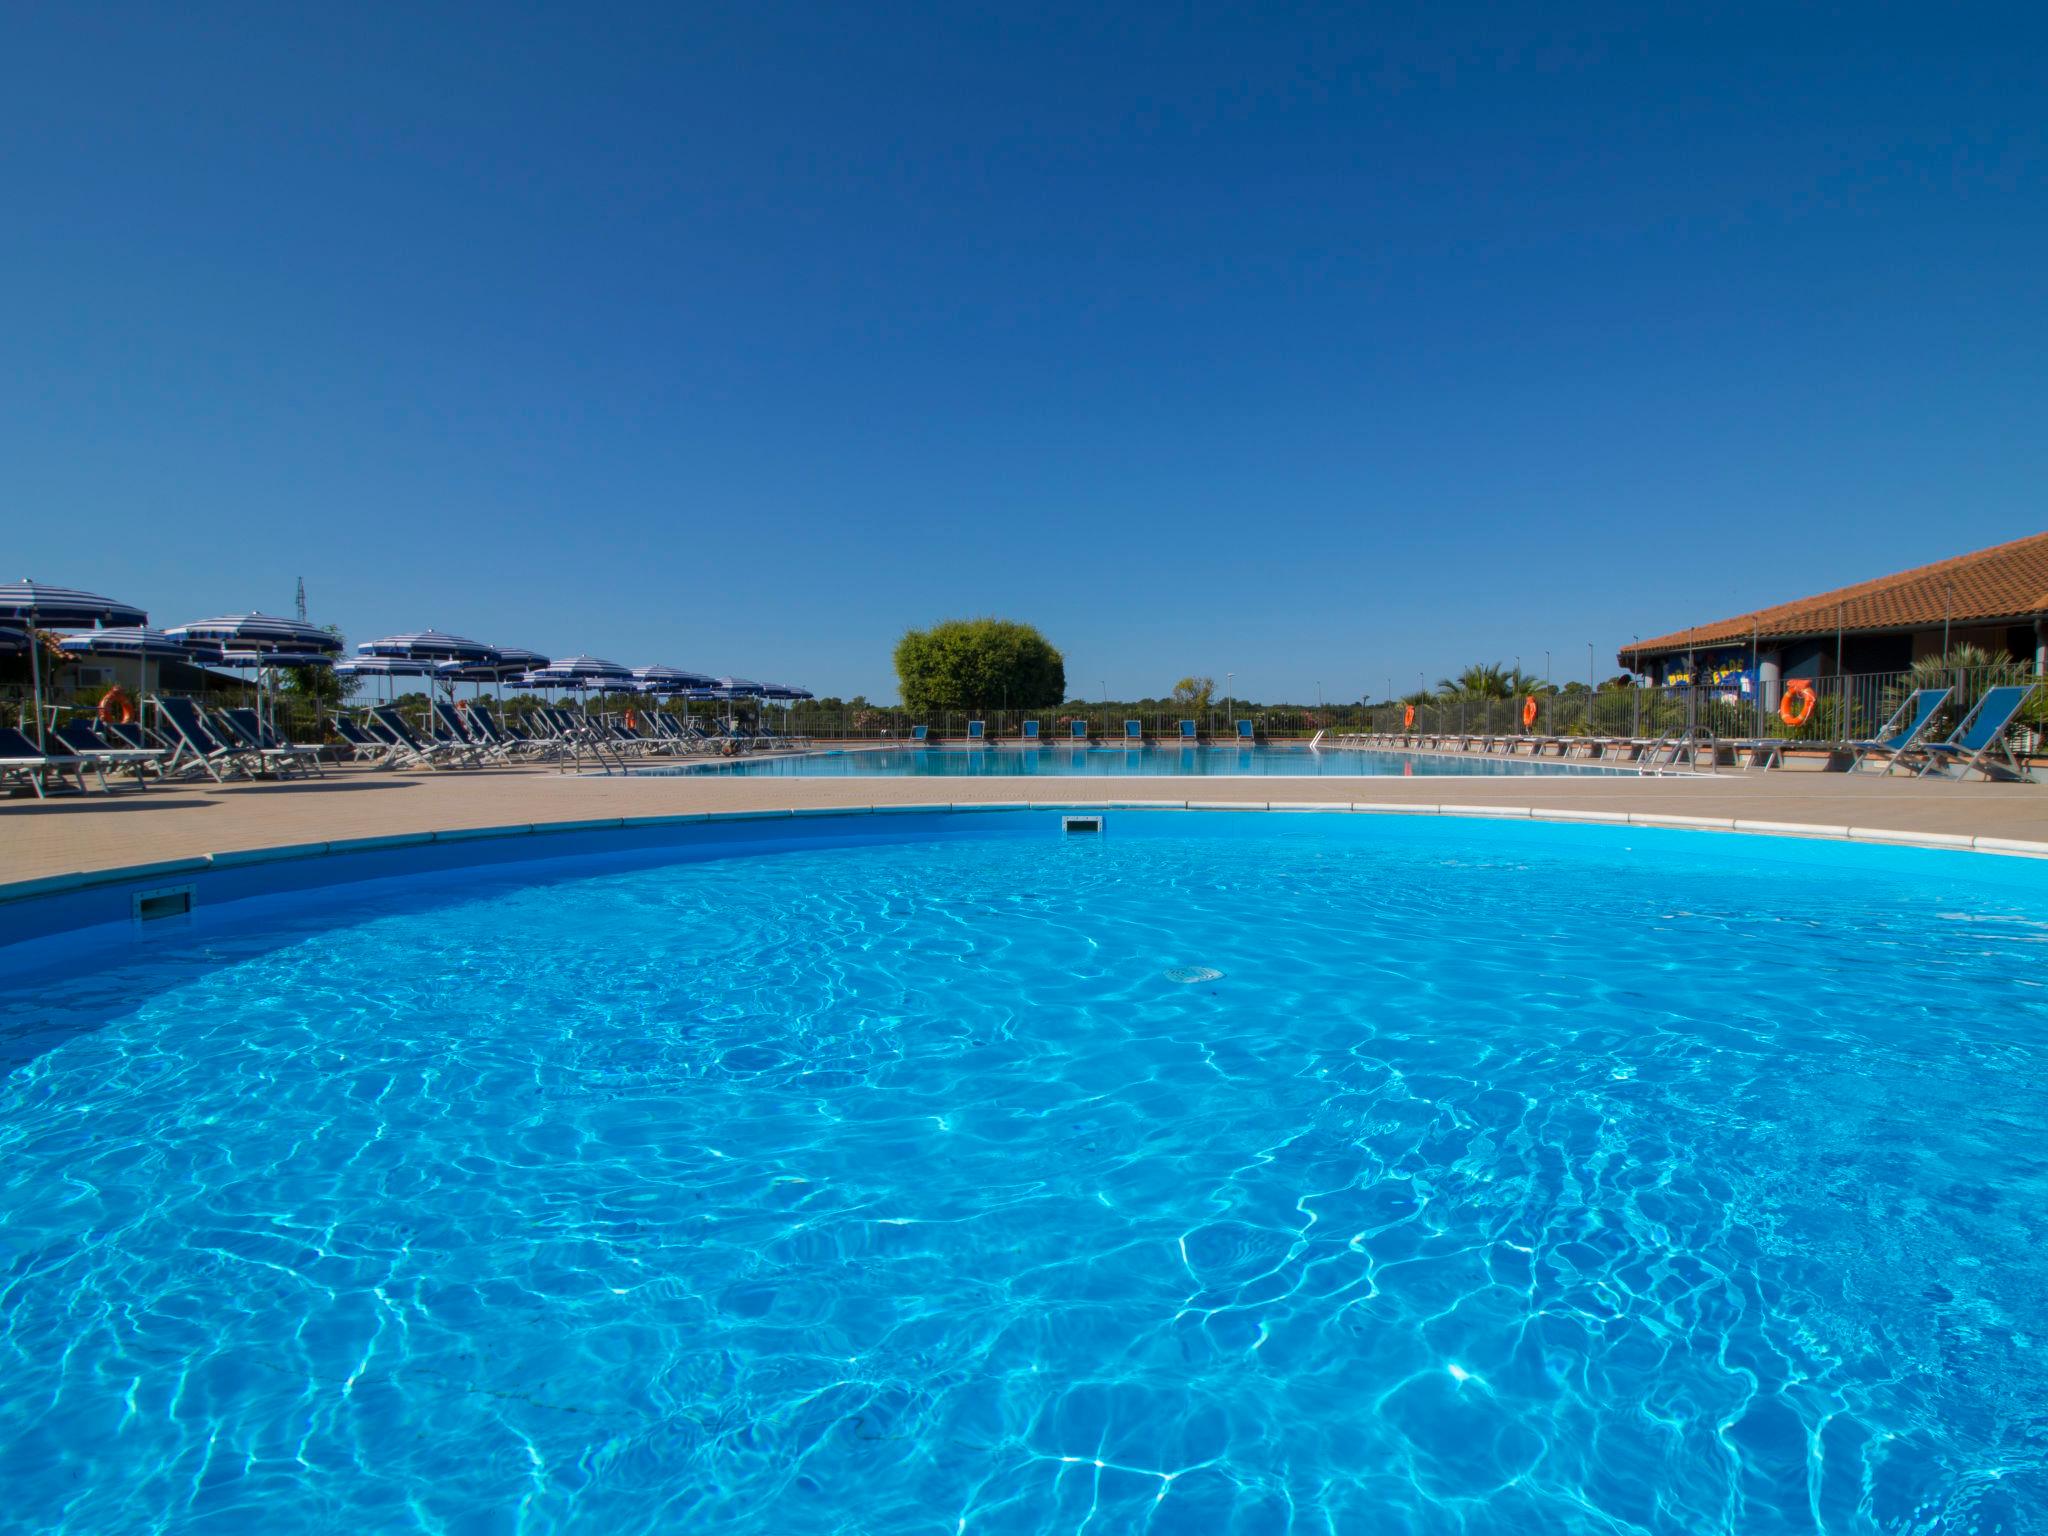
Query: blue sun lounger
(1031,732)
(1903,731)
(920,735)
(1247,733)
(1980,739)
(22,759)
(1188,737)
(1134,733)
(977,733)
(1077,730)
(82,738)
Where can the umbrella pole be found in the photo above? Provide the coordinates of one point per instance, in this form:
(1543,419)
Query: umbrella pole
(35,673)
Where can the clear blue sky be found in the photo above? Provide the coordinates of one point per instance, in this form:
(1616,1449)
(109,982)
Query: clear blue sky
(1320,345)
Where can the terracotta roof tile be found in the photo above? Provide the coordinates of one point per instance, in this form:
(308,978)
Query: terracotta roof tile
(2005,582)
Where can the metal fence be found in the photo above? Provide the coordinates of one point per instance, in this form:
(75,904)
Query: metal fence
(1845,708)
(1850,707)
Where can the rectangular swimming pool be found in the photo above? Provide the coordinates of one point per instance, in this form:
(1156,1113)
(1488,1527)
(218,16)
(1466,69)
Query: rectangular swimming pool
(1064,762)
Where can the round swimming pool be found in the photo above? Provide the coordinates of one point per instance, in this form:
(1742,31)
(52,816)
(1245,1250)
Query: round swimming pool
(1213,1173)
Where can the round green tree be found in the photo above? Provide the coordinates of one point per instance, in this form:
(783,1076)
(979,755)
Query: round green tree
(970,664)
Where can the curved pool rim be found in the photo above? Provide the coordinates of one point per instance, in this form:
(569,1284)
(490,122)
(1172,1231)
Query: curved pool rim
(81,907)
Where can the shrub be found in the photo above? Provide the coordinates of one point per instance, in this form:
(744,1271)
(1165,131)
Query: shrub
(970,664)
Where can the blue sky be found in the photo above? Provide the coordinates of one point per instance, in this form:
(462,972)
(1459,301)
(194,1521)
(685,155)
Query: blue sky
(1321,345)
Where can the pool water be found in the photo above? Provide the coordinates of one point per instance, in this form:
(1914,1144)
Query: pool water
(1120,762)
(1213,1174)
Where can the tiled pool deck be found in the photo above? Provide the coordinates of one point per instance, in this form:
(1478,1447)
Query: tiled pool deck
(84,834)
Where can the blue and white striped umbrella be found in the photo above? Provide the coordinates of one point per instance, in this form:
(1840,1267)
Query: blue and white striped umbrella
(508,665)
(233,658)
(385,666)
(134,640)
(261,635)
(584,672)
(430,645)
(31,604)
(46,607)
(783,693)
(738,688)
(668,680)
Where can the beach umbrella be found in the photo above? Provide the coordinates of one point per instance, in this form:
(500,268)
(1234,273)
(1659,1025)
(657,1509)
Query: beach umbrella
(384,666)
(435,649)
(13,642)
(432,645)
(730,688)
(582,672)
(261,642)
(138,641)
(34,605)
(670,680)
(260,634)
(507,664)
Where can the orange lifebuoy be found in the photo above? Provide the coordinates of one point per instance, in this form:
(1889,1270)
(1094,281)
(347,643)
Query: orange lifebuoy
(1529,710)
(115,708)
(1408,718)
(631,723)
(1796,707)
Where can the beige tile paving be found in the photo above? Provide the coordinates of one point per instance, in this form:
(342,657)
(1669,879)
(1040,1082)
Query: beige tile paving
(96,831)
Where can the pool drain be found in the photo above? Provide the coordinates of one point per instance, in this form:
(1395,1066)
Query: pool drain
(1189,974)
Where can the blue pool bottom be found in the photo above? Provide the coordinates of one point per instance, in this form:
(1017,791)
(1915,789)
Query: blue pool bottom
(1219,1172)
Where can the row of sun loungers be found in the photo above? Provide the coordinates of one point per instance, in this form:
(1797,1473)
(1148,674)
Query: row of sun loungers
(1980,741)
(473,736)
(181,739)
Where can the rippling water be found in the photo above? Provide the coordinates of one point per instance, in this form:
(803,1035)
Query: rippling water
(1105,762)
(1304,1174)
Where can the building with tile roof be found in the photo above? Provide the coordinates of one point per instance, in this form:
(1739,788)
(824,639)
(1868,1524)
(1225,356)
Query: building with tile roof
(1996,598)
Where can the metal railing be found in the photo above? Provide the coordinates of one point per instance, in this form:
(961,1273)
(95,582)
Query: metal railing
(1845,709)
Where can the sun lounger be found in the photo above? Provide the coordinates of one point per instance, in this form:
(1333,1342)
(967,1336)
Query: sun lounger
(82,738)
(1902,733)
(1134,733)
(197,747)
(1030,735)
(920,735)
(1077,732)
(428,754)
(250,730)
(1979,740)
(363,747)
(977,733)
(21,759)
(1247,733)
(1188,735)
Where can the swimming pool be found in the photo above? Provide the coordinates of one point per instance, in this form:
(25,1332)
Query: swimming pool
(1119,762)
(1215,1172)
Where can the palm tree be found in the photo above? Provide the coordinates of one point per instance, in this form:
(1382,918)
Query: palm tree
(1969,670)
(1484,680)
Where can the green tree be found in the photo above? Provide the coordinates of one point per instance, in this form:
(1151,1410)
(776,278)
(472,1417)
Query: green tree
(323,684)
(968,664)
(1483,680)
(1967,670)
(1194,693)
